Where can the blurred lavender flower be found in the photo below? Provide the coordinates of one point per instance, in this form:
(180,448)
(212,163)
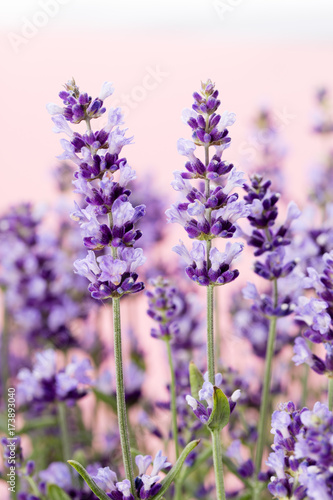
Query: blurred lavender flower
(251,325)
(146,193)
(317,314)
(33,272)
(147,485)
(178,317)
(266,149)
(44,384)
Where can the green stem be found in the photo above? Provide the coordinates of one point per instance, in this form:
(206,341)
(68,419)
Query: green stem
(88,124)
(121,404)
(65,436)
(218,465)
(210,334)
(265,393)
(330,394)
(173,399)
(217,328)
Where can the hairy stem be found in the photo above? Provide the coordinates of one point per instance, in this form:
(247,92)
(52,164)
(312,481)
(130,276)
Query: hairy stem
(218,465)
(121,404)
(330,394)
(265,394)
(306,370)
(65,434)
(210,334)
(173,400)
(217,328)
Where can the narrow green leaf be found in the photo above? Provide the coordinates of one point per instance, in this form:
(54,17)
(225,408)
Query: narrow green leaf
(196,380)
(89,480)
(56,493)
(221,411)
(38,424)
(173,473)
(109,400)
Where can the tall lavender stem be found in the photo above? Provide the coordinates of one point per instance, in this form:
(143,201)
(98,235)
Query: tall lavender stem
(266,388)
(173,399)
(65,435)
(207,214)
(330,394)
(218,464)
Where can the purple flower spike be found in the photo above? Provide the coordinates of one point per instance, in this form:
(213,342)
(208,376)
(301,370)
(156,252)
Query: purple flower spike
(108,219)
(302,456)
(210,211)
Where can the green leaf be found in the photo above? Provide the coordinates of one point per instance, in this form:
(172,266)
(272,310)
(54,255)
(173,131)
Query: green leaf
(109,400)
(196,380)
(173,473)
(221,411)
(89,480)
(56,493)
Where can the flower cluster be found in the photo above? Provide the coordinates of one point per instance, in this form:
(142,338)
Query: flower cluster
(317,314)
(208,212)
(219,272)
(203,412)
(270,240)
(108,219)
(34,274)
(147,485)
(262,216)
(251,325)
(44,384)
(302,460)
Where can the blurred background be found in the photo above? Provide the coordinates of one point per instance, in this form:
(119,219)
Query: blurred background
(267,58)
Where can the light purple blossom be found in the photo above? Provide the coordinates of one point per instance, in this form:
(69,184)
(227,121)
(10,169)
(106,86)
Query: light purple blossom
(88,267)
(111,269)
(143,462)
(105,479)
(302,352)
(57,473)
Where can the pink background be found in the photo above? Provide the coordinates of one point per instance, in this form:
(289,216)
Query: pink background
(283,73)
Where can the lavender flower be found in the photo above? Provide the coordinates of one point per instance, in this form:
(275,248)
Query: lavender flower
(317,314)
(303,453)
(109,218)
(44,384)
(208,212)
(203,411)
(34,273)
(322,119)
(266,149)
(146,485)
(253,326)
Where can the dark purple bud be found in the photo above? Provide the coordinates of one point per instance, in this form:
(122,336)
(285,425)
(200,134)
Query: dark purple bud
(318,365)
